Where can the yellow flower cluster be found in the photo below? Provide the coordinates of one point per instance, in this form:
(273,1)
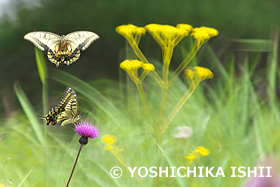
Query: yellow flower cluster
(185,27)
(203,73)
(198,73)
(131,65)
(198,152)
(148,67)
(189,73)
(109,140)
(202,151)
(166,35)
(131,32)
(202,34)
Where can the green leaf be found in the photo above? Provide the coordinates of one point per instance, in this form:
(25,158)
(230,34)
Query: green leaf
(256,45)
(30,113)
(180,180)
(89,92)
(41,64)
(26,176)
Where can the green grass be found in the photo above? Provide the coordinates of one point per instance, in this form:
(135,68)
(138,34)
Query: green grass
(235,115)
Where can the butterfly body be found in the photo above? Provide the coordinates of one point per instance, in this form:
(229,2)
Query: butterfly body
(67,110)
(62,49)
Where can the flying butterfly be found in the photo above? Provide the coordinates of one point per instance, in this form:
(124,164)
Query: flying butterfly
(67,110)
(62,49)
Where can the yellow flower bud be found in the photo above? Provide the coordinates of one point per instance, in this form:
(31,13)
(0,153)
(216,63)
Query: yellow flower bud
(129,65)
(189,73)
(136,64)
(197,153)
(148,67)
(109,147)
(129,30)
(185,27)
(191,156)
(166,35)
(202,34)
(131,33)
(109,139)
(203,73)
(118,149)
(202,151)
(211,31)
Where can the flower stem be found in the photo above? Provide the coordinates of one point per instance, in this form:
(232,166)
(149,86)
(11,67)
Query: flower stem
(167,54)
(144,100)
(74,165)
(183,65)
(159,153)
(140,55)
(178,106)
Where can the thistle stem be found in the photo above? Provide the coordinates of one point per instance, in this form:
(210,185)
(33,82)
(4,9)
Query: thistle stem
(74,165)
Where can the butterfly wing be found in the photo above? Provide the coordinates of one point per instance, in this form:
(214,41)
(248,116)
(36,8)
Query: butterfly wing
(81,39)
(67,110)
(62,49)
(70,114)
(68,93)
(42,40)
(68,50)
(69,102)
(51,117)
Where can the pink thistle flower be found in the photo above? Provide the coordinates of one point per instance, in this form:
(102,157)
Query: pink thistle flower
(86,130)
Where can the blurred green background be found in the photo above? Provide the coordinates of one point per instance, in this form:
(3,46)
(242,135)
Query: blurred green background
(235,114)
(233,19)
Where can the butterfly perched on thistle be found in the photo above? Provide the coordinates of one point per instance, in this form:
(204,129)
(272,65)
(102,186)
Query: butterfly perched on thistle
(67,110)
(62,49)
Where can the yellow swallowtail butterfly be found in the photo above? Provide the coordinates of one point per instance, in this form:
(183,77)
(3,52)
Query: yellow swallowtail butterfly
(67,110)
(62,49)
